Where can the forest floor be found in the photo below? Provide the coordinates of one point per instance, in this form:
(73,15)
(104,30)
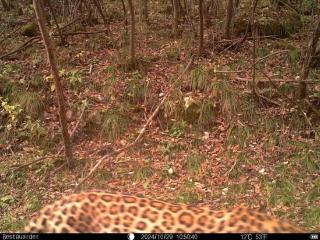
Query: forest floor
(228,148)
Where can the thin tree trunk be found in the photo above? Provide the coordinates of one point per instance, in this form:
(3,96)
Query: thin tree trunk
(306,64)
(229,20)
(144,11)
(55,74)
(253,27)
(105,21)
(132,33)
(175,17)
(63,40)
(200,27)
(124,12)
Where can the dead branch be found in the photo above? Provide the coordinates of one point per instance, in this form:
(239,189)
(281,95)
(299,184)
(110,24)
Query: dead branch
(23,46)
(79,33)
(142,131)
(277,80)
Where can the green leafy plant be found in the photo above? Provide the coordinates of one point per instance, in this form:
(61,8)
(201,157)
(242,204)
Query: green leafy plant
(179,129)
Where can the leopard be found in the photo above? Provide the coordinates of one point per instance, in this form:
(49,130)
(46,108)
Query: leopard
(103,212)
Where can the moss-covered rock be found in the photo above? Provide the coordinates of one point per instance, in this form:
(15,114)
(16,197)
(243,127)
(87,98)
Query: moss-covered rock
(30,29)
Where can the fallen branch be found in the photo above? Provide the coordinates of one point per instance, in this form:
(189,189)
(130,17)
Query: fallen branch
(18,167)
(277,80)
(79,33)
(142,131)
(23,46)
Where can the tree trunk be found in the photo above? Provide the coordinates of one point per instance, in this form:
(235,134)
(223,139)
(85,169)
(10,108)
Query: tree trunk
(175,17)
(200,27)
(105,21)
(229,20)
(144,13)
(55,74)
(63,40)
(124,12)
(132,33)
(306,64)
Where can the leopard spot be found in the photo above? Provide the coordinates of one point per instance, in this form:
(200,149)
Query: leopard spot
(195,210)
(122,208)
(92,197)
(117,221)
(219,214)
(65,211)
(143,202)
(79,198)
(186,219)
(102,207)
(116,230)
(157,230)
(239,210)
(133,210)
(151,215)
(168,220)
(260,217)
(44,222)
(85,207)
(71,221)
(141,225)
(106,222)
(175,208)
(114,209)
(47,212)
(64,230)
(244,218)
(81,228)
(73,209)
(203,220)
(107,198)
(221,226)
(157,204)
(128,199)
(127,220)
(59,221)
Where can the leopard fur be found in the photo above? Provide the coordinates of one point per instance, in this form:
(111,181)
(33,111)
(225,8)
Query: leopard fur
(111,213)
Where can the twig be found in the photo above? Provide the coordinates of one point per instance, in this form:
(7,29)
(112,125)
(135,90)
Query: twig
(270,55)
(79,33)
(277,80)
(268,100)
(233,166)
(225,71)
(142,131)
(23,46)
(34,162)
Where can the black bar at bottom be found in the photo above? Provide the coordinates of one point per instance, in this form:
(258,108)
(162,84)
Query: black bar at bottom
(160,236)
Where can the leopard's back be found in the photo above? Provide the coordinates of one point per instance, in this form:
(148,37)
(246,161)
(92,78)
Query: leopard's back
(109,213)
